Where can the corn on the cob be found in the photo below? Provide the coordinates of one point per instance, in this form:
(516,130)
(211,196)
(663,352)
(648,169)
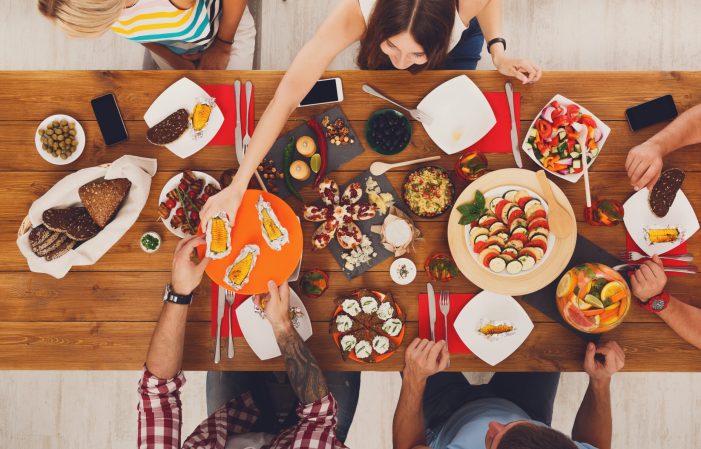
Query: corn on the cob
(663,235)
(219,236)
(491,329)
(200,116)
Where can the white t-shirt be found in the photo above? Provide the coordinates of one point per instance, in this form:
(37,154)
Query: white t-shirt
(367,6)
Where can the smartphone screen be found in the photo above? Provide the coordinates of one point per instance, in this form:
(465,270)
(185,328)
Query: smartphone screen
(109,119)
(324,91)
(654,111)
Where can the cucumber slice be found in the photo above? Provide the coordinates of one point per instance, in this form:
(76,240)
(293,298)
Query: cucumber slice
(477,230)
(493,204)
(480,238)
(497,264)
(514,267)
(510,194)
(527,261)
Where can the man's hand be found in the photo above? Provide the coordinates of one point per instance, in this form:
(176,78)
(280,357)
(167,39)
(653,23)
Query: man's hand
(644,165)
(424,358)
(649,280)
(277,306)
(187,274)
(613,360)
(216,57)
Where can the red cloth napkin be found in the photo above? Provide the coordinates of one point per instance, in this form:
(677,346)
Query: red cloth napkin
(457,302)
(681,249)
(498,139)
(225,322)
(224,96)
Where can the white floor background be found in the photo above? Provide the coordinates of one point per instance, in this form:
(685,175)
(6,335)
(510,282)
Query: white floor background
(47,410)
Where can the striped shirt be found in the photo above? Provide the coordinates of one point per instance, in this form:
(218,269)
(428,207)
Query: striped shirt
(181,30)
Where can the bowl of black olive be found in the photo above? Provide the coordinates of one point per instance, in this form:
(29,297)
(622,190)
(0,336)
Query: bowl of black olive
(388,131)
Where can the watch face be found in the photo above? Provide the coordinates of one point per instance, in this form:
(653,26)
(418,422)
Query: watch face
(657,304)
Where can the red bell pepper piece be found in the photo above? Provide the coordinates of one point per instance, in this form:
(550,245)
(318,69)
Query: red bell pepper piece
(544,128)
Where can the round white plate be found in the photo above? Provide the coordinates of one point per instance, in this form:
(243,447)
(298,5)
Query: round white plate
(499,191)
(80,134)
(259,333)
(492,307)
(638,218)
(394,271)
(185,94)
(173,183)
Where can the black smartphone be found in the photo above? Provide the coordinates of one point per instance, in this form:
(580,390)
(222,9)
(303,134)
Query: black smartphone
(109,119)
(651,112)
(325,91)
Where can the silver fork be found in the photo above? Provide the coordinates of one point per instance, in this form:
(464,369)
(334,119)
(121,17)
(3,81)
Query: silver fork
(444,303)
(634,256)
(415,113)
(230,296)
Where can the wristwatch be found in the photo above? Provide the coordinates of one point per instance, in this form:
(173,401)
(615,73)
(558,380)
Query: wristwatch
(656,304)
(170,296)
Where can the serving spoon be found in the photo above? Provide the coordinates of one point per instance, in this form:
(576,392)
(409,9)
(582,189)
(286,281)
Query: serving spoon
(558,216)
(379,168)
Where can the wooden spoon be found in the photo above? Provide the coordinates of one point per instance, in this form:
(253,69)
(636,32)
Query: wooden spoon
(558,218)
(379,168)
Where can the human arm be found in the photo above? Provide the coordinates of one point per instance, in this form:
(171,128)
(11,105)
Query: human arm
(644,162)
(176,61)
(344,26)
(422,359)
(490,20)
(217,55)
(649,281)
(593,423)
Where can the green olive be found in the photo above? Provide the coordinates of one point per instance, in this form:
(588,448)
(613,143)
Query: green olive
(71,125)
(58,131)
(64,122)
(72,132)
(41,131)
(74,143)
(68,141)
(55,123)
(64,156)
(49,131)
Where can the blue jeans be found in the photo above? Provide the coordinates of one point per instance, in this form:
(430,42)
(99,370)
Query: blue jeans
(272,394)
(466,53)
(446,392)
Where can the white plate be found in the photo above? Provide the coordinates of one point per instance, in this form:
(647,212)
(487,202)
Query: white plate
(574,177)
(492,307)
(173,183)
(259,333)
(457,106)
(499,191)
(184,94)
(638,217)
(80,134)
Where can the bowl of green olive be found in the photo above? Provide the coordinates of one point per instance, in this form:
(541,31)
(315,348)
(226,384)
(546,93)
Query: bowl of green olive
(59,139)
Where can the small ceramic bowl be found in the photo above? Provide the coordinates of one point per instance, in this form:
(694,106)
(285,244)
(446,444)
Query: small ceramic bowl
(398,127)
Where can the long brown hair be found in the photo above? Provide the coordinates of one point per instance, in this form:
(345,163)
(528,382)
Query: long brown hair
(429,22)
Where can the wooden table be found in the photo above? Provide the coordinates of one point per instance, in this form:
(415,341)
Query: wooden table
(102,316)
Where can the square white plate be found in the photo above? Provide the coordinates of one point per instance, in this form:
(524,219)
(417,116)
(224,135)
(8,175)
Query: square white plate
(259,333)
(599,124)
(492,307)
(638,217)
(458,108)
(184,94)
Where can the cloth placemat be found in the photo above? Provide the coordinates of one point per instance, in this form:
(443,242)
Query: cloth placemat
(498,139)
(681,249)
(457,302)
(223,94)
(544,300)
(225,322)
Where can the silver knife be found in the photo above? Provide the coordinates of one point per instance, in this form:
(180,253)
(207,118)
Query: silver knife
(221,301)
(431,310)
(514,136)
(238,138)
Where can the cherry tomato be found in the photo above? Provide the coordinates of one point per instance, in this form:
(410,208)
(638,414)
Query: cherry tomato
(170,203)
(204,197)
(192,194)
(194,215)
(180,212)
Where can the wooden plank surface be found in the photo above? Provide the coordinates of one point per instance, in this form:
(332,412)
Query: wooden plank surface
(101,316)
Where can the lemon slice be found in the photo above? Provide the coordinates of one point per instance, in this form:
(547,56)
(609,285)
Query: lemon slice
(566,285)
(611,289)
(315,163)
(583,305)
(594,301)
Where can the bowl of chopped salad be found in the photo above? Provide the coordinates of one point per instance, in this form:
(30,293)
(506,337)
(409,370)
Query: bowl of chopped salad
(551,140)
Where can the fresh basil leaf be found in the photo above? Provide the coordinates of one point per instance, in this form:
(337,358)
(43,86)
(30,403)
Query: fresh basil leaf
(479,199)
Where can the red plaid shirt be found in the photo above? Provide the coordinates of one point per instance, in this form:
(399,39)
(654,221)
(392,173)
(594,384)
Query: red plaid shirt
(160,420)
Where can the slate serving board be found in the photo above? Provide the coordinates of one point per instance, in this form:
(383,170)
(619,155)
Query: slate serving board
(544,300)
(337,154)
(382,253)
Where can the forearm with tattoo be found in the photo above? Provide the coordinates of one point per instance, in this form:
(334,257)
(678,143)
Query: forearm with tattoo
(305,375)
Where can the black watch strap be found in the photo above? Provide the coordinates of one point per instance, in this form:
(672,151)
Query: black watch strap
(496,40)
(170,296)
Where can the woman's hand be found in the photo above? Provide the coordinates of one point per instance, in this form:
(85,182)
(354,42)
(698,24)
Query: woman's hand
(522,69)
(182,62)
(228,201)
(644,165)
(216,57)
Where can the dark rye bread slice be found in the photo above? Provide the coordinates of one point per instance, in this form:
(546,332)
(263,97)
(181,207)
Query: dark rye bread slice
(41,238)
(102,198)
(55,244)
(169,129)
(58,220)
(665,191)
(82,227)
(66,245)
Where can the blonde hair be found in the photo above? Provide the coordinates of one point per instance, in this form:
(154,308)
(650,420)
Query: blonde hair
(83,18)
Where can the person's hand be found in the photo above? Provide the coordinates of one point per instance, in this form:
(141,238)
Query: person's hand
(522,69)
(644,165)
(649,280)
(603,368)
(424,358)
(228,200)
(187,274)
(182,62)
(277,306)
(216,57)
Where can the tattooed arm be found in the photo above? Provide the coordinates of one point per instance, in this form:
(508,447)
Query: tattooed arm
(305,375)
